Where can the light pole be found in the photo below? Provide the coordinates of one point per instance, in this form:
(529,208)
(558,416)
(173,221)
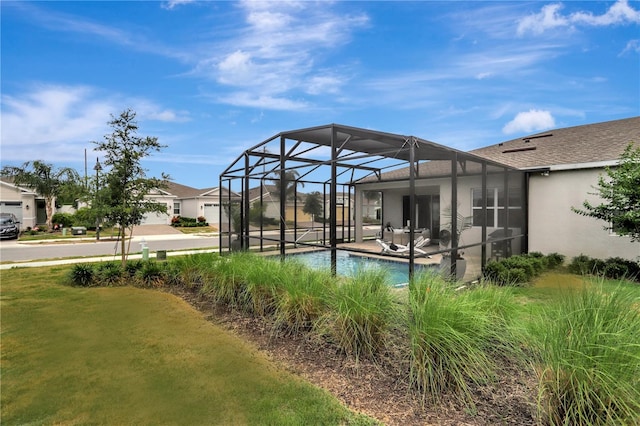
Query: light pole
(97,168)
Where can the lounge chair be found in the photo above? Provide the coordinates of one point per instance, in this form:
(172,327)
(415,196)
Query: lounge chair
(398,248)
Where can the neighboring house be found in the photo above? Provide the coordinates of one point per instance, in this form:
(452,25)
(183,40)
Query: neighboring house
(24,203)
(561,169)
(182,200)
(344,207)
(271,199)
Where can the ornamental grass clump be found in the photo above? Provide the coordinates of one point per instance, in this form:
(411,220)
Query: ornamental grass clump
(229,279)
(302,298)
(261,278)
(150,274)
(193,272)
(82,275)
(362,312)
(588,363)
(109,273)
(455,336)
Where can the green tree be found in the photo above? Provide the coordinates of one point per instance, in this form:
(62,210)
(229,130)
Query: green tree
(290,183)
(313,205)
(620,190)
(123,199)
(44,180)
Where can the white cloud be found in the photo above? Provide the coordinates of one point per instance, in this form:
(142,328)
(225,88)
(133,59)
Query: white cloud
(52,122)
(57,122)
(277,50)
(538,23)
(246,99)
(529,121)
(619,13)
(174,3)
(550,17)
(632,46)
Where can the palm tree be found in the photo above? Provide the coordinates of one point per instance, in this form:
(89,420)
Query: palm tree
(290,177)
(44,180)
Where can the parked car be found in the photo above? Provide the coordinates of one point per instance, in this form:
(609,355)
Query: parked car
(9,225)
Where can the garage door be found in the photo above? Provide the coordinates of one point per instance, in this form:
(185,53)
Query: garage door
(211,213)
(155,219)
(14,207)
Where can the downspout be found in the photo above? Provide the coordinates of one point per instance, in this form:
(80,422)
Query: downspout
(454,213)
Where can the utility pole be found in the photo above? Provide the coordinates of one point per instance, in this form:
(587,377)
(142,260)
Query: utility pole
(97,168)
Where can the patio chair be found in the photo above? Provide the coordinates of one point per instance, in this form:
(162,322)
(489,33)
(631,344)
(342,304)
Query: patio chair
(398,248)
(421,241)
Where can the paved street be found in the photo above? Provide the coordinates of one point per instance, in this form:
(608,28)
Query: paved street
(12,251)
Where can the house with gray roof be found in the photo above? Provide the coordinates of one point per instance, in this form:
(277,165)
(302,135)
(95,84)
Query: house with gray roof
(183,200)
(561,168)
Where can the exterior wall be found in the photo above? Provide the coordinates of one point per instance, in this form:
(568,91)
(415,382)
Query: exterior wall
(553,227)
(22,204)
(188,208)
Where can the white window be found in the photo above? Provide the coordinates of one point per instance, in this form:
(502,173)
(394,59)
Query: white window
(496,207)
(176,208)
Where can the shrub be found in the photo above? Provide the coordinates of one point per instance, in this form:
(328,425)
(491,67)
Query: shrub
(132,267)
(85,217)
(614,267)
(109,273)
(588,352)
(617,267)
(362,312)
(520,269)
(150,274)
(554,260)
(64,219)
(584,265)
(82,275)
(188,222)
(513,276)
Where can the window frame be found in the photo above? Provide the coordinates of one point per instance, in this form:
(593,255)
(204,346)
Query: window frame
(496,208)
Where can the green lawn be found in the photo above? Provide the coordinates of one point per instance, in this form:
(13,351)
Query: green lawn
(130,356)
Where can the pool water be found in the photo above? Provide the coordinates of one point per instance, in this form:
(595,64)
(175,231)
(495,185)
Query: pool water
(349,265)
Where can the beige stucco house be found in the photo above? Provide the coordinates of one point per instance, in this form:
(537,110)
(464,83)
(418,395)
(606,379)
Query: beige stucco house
(25,204)
(182,200)
(561,168)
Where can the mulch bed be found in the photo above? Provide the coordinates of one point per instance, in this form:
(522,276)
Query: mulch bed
(379,390)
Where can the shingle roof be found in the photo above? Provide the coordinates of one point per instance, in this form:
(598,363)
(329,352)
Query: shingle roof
(586,144)
(254,193)
(184,191)
(590,143)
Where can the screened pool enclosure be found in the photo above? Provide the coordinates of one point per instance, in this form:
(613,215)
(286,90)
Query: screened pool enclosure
(337,187)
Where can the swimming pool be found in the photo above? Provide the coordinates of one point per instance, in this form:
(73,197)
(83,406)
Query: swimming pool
(349,264)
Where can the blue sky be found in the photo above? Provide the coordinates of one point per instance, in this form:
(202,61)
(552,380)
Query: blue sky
(210,79)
